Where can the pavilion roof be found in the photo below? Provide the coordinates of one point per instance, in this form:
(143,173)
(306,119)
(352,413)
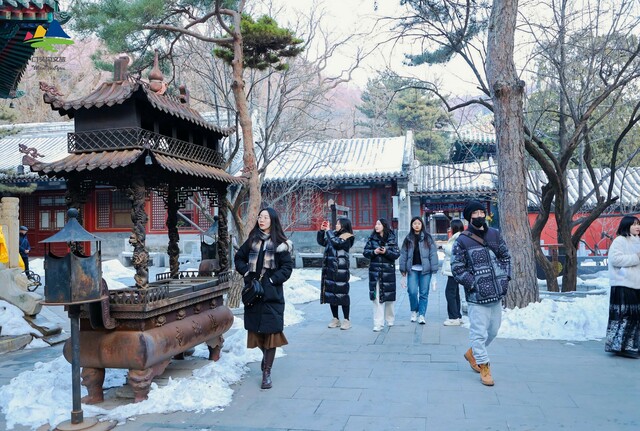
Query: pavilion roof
(117,92)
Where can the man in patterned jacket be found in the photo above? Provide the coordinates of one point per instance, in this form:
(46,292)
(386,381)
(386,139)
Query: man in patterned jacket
(481,263)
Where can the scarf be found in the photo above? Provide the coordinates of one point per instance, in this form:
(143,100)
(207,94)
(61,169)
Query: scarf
(262,242)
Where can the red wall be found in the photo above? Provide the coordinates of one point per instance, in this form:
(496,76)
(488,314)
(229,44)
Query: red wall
(593,236)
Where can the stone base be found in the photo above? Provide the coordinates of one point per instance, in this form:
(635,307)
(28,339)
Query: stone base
(9,344)
(13,289)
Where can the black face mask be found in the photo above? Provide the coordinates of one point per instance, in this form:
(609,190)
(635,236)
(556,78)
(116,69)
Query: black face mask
(478,221)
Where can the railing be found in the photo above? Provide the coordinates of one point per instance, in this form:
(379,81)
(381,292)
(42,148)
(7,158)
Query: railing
(222,277)
(134,296)
(136,138)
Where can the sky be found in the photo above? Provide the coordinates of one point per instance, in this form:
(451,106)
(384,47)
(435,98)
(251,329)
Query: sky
(359,16)
(48,385)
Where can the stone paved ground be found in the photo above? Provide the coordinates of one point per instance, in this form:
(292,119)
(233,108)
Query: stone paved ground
(411,377)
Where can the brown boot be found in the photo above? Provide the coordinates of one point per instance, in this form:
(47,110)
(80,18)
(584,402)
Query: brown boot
(468,355)
(485,374)
(269,356)
(262,362)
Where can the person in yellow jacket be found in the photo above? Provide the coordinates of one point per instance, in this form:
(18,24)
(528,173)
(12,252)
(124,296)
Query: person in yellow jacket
(4,252)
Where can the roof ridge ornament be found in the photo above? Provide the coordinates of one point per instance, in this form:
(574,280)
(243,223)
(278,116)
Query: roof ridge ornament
(185,97)
(156,78)
(120,68)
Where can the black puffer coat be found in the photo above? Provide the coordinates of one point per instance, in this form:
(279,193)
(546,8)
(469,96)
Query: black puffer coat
(335,267)
(382,266)
(267,317)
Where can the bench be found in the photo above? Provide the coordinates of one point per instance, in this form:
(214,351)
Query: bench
(314,260)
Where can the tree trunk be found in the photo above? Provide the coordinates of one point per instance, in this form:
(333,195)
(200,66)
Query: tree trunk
(244,117)
(507,94)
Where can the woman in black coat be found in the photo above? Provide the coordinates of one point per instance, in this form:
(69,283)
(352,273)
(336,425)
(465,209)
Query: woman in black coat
(335,269)
(266,255)
(382,251)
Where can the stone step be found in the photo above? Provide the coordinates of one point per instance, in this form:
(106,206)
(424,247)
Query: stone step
(60,337)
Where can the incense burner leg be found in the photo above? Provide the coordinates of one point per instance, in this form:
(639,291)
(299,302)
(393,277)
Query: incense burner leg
(215,347)
(140,380)
(92,379)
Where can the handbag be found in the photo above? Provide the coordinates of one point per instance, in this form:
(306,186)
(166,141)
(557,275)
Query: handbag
(252,292)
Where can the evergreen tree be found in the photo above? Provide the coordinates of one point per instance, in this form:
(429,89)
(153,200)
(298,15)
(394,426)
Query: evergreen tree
(393,105)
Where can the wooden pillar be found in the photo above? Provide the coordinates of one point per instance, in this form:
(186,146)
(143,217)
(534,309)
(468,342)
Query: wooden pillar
(223,232)
(173,249)
(136,194)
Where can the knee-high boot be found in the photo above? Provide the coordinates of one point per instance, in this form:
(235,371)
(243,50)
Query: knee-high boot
(269,356)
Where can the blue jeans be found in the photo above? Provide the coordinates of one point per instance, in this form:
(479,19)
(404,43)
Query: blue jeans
(417,281)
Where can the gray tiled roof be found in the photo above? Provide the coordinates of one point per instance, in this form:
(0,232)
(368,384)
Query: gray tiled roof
(343,160)
(479,178)
(460,178)
(50,139)
(626,185)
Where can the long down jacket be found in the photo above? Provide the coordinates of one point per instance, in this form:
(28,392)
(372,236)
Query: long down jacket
(382,266)
(267,316)
(335,267)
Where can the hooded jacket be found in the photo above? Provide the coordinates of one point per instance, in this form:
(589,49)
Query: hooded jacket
(335,267)
(267,316)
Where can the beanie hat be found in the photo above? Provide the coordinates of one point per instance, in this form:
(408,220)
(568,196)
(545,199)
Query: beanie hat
(24,228)
(471,207)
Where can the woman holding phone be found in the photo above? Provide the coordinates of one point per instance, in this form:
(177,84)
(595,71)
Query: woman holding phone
(382,251)
(335,269)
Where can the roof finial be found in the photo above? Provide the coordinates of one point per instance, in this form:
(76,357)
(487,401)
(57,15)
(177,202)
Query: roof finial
(184,94)
(120,68)
(156,79)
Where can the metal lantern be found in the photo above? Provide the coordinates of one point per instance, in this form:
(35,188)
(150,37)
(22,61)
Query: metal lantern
(73,280)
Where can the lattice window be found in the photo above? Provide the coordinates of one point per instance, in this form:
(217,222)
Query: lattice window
(158,213)
(113,210)
(384,205)
(102,208)
(28,212)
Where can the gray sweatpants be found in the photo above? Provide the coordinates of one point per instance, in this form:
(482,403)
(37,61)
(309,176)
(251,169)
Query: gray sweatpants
(484,321)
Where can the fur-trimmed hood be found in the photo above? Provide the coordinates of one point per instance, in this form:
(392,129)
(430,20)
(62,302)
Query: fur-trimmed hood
(285,246)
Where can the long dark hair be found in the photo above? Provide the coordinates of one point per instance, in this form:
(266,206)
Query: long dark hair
(386,229)
(426,236)
(276,232)
(624,228)
(345,226)
(456,226)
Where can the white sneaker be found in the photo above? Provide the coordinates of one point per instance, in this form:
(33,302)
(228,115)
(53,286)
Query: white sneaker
(421,320)
(345,325)
(452,322)
(377,328)
(414,316)
(390,324)
(335,323)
